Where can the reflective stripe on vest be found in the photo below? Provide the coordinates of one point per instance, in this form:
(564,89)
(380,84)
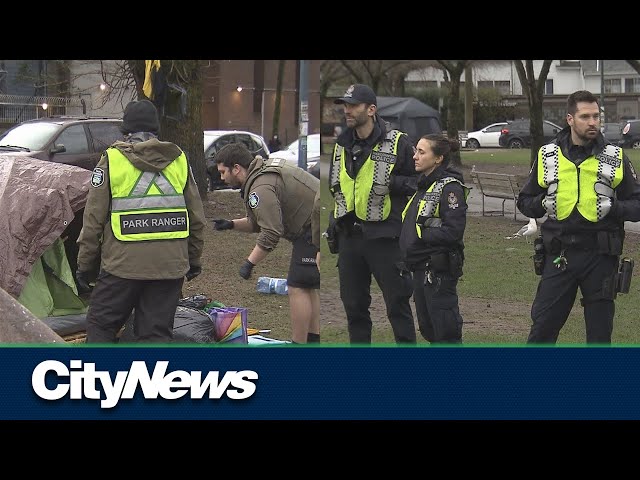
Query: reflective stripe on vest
(428,214)
(368,193)
(577,184)
(147,205)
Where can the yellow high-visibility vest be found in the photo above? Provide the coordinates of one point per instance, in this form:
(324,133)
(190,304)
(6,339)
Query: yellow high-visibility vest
(147,205)
(368,193)
(577,183)
(428,213)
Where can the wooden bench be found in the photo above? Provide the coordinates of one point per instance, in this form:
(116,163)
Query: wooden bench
(505,186)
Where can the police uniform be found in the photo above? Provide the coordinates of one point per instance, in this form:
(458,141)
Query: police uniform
(143,224)
(432,247)
(279,202)
(588,192)
(371,180)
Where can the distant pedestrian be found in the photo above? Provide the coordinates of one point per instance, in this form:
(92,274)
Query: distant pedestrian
(274,144)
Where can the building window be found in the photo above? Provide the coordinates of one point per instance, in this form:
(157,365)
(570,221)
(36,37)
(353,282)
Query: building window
(612,85)
(503,86)
(548,86)
(632,85)
(485,84)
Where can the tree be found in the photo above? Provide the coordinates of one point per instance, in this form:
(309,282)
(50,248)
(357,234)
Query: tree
(276,109)
(184,128)
(454,68)
(385,77)
(534,91)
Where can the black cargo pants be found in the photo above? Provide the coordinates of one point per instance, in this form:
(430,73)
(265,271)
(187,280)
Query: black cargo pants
(114,298)
(437,308)
(358,260)
(557,291)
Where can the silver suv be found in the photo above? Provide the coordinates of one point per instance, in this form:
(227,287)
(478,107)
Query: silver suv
(75,141)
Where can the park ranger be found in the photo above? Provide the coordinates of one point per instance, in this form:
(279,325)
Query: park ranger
(279,202)
(144,225)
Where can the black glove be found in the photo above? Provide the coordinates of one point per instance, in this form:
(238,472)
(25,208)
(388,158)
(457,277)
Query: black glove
(222,224)
(82,279)
(246,269)
(193,273)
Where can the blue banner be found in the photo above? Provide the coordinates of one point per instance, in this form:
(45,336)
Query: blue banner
(319,383)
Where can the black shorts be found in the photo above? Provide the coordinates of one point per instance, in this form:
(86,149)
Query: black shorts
(303,271)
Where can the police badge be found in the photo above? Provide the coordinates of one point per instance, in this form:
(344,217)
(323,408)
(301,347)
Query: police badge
(253,199)
(97,177)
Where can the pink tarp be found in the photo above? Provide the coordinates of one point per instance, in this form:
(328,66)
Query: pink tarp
(38,200)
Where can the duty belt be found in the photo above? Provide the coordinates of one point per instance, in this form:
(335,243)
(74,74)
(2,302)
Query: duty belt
(602,242)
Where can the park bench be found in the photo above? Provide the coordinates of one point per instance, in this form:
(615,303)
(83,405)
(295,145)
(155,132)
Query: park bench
(505,186)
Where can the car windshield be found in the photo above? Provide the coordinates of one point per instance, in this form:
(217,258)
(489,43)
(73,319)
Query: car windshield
(33,136)
(209,139)
(313,145)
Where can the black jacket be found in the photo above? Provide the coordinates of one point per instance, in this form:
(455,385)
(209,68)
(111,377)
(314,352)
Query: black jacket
(403,177)
(626,206)
(453,213)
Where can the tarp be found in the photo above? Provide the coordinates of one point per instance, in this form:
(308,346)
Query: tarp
(409,115)
(38,201)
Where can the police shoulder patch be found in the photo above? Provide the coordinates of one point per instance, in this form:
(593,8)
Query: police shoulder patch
(253,199)
(97,178)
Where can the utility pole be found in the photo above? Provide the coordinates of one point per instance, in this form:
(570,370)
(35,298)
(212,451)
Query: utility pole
(602,119)
(303,124)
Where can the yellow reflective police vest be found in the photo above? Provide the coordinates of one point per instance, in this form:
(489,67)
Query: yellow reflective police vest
(368,193)
(577,184)
(428,214)
(147,205)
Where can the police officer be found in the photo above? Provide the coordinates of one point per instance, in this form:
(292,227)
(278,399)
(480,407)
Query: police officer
(431,241)
(588,189)
(279,202)
(371,177)
(144,222)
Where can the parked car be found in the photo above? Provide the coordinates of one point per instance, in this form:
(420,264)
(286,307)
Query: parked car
(485,137)
(313,154)
(516,134)
(630,137)
(75,141)
(612,132)
(214,140)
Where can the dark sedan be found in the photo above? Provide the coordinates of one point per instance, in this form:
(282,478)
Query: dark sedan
(517,133)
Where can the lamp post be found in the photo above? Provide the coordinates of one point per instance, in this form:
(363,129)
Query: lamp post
(600,66)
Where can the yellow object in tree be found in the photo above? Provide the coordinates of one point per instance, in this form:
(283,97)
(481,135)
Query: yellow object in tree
(150,66)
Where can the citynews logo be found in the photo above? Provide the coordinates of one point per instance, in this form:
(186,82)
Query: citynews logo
(82,380)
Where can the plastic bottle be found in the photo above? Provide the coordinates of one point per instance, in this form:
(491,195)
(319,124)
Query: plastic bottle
(272,285)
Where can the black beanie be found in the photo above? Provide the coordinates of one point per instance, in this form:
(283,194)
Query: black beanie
(140,116)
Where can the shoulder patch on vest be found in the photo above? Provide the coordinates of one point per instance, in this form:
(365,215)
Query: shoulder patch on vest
(453,200)
(97,178)
(253,199)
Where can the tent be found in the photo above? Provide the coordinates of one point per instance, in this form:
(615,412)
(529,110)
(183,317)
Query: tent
(41,206)
(409,115)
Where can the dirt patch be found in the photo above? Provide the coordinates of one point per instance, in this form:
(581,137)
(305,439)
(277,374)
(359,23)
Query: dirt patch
(479,314)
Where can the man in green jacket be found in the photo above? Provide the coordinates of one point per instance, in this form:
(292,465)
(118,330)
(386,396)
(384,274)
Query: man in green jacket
(279,204)
(143,223)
